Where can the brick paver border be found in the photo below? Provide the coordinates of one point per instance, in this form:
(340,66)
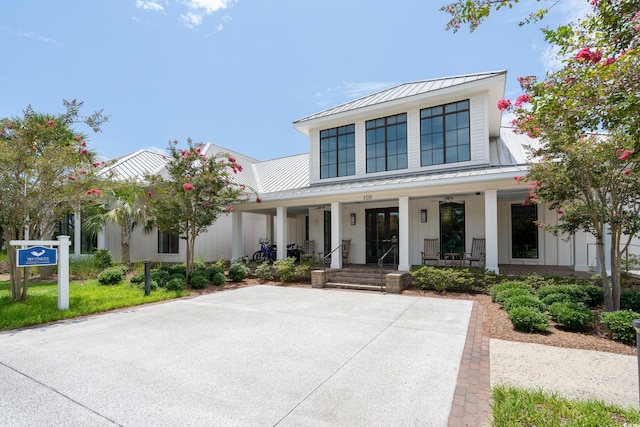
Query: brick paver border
(470,406)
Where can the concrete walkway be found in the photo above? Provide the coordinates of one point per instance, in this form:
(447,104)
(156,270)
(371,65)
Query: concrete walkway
(256,356)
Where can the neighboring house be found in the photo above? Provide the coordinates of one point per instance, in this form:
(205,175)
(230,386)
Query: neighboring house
(425,159)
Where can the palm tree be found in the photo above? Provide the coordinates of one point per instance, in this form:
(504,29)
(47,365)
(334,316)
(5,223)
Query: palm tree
(124,207)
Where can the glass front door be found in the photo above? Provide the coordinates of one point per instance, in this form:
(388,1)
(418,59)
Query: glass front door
(451,228)
(382,232)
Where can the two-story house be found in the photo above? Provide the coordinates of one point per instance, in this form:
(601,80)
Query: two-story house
(426,159)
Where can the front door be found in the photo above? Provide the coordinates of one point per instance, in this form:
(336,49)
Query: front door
(382,232)
(452,227)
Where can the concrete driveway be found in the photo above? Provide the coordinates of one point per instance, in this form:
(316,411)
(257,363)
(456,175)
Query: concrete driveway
(256,356)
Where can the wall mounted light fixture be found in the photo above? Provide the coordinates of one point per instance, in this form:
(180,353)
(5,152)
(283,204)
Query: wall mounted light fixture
(423,215)
(353,219)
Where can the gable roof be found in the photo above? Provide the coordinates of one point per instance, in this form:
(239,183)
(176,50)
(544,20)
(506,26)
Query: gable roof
(135,166)
(402,91)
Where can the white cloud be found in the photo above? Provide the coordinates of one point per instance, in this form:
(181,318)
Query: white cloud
(32,36)
(200,9)
(149,5)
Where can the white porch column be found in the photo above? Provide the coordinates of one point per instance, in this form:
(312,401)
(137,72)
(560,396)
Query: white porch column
(102,237)
(269,228)
(237,236)
(281,231)
(404,237)
(491,229)
(77,233)
(336,234)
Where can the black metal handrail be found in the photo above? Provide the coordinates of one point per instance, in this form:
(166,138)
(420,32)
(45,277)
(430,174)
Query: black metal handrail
(325,258)
(381,263)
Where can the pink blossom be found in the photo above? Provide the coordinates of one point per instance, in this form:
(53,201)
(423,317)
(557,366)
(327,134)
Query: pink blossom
(624,154)
(229,208)
(175,141)
(594,3)
(72,178)
(148,193)
(559,212)
(198,150)
(504,104)
(232,159)
(522,99)
(77,137)
(518,178)
(258,200)
(84,143)
(610,60)
(585,54)
(94,191)
(526,82)
(83,172)
(84,151)
(627,172)
(96,164)
(187,186)
(50,123)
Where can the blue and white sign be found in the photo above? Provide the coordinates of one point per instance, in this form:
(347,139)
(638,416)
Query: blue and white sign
(37,255)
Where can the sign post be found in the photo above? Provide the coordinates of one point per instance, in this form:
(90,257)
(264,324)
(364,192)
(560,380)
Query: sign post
(39,255)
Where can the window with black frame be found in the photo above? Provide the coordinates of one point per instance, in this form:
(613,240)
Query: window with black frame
(338,152)
(445,134)
(387,143)
(524,231)
(168,243)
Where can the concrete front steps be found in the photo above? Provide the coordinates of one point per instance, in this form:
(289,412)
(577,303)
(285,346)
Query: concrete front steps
(364,279)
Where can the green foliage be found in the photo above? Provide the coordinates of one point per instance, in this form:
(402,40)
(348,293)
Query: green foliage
(178,269)
(83,268)
(620,323)
(137,279)
(102,258)
(218,279)
(303,269)
(85,298)
(572,316)
(213,271)
(264,272)
(198,280)
(285,269)
(513,284)
(630,300)
(177,284)
(161,276)
(508,293)
(442,279)
(523,300)
(223,263)
(576,291)
(512,406)
(153,285)
(559,297)
(111,276)
(527,319)
(238,271)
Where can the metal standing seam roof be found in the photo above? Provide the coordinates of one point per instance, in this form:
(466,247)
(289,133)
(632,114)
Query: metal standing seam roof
(282,173)
(136,165)
(403,90)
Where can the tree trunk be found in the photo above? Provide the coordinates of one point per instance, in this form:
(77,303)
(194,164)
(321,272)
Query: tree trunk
(17,291)
(125,244)
(606,286)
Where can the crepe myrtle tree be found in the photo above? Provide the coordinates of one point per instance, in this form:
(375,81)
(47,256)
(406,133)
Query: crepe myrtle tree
(473,12)
(45,170)
(196,190)
(587,118)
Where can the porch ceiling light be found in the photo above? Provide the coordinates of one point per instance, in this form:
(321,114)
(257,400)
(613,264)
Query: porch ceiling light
(353,219)
(423,215)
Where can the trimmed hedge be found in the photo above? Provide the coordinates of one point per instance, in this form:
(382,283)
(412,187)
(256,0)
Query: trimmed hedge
(238,271)
(527,319)
(111,276)
(630,300)
(572,316)
(514,284)
(523,301)
(620,323)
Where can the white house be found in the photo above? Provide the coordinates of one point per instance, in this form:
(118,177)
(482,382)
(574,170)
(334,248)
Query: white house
(425,159)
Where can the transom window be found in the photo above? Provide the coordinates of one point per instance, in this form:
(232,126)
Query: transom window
(444,134)
(387,143)
(338,152)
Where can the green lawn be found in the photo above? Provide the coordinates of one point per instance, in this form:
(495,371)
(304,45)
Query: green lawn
(517,407)
(85,298)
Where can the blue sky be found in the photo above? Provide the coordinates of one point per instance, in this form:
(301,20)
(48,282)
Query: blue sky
(238,72)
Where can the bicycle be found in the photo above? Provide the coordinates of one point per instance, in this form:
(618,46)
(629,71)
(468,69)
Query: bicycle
(267,251)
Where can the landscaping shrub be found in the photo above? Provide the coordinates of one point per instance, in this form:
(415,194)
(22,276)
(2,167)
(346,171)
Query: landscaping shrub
(572,316)
(223,263)
(238,271)
(558,297)
(263,272)
(102,258)
(504,295)
(178,269)
(198,280)
(285,269)
(527,319)
(213,271)
(620,323)
(630,300)
(153,285)
(160,275)
(515,284)
(111,276)
(302,270)
(137,279)
(530,301)
(218,279)
(595,295)
(442,279)
(577,291)
(176,284)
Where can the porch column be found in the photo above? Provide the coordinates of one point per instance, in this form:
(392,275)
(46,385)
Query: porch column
(77,233)
(269,228)
(237,236)
(404,236)
(336,234)
(281,232)
(491,229)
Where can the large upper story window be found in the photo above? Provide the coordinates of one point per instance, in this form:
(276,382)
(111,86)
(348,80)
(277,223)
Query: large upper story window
(168,243)
(444,134)
(338,152)
(387,143)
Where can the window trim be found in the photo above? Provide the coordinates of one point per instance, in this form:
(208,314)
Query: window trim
(168,243)
(348,131)
(444,115)
(400,119)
